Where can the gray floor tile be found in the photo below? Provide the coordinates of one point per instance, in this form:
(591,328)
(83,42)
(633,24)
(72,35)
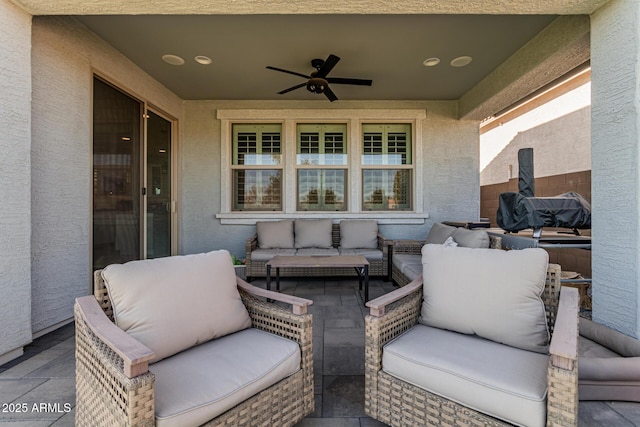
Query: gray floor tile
(343,360)
(326,300)
(63,366)
(49,401)
(67,420)
(344,323)
(591,414)
(343,396)
(12,389)
(370,422)
(347,337)
(329,422)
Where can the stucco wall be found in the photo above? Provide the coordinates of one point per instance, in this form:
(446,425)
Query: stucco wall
(65,55)
(15,177)
(449,162)
(615,119)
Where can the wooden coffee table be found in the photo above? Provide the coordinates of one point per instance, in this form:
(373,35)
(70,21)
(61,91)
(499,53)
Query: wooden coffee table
(358,262)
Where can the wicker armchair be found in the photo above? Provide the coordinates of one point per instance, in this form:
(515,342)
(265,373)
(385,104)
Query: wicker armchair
(399,403)
(114,386)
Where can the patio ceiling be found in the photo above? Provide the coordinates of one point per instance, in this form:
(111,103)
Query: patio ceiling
(389,49)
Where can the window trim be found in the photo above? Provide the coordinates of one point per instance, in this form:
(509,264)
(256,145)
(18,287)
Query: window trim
(289,119)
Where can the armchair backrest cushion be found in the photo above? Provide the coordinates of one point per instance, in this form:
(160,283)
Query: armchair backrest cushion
(358,234)
(491,293)
(174,303)
(313,233)
(275,234)
(616,341)
(471,238)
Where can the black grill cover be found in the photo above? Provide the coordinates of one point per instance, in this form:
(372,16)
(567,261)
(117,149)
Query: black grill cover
(517,212)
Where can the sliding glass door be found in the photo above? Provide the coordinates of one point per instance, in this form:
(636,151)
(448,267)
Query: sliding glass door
(132,197)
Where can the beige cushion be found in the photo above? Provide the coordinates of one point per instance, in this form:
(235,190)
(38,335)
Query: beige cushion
(358,234)
(471,238)
(369,254)
(491,293)
(174,303)
(313,233)
(275,234)
(610,338)
(195,386)
(267,254)
(502,381)
(317,252)
(439,233)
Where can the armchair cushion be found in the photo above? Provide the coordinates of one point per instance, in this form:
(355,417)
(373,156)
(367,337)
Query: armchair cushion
(462,293)
(358,234)
(502,381)
(369,254)
(313,233)
(471,238)
(439,233)
(275,234)
(174,303)
(195,386)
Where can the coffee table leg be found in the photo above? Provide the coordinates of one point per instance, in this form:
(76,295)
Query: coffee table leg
(366,283)
(278,279)
(268,277)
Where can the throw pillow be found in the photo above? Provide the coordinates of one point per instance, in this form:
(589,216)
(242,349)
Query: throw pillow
(275,234)
(488,292)
(358,234)
(439,233)
(313,233)
(174,303)
(450,242)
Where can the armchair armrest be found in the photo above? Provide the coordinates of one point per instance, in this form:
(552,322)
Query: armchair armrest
(135,356)
(298,305)
(564,342)
(377,306)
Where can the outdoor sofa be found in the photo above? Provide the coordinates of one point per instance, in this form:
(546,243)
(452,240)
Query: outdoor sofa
(181,341)
(468,344)
(406,258)
(317,237)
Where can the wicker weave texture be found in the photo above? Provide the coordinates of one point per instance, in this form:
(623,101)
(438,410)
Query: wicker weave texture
(398,403)
(376,267)
(106,397)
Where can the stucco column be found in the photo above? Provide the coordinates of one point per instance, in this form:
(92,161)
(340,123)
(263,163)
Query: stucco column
(15,180)
(615,130)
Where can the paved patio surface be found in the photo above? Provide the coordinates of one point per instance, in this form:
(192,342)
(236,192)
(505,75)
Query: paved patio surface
(44,376)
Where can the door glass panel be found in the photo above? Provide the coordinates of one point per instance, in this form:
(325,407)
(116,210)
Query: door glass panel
(158,186)
(116,176)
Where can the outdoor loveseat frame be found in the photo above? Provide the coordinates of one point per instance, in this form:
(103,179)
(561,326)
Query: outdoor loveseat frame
(114,386)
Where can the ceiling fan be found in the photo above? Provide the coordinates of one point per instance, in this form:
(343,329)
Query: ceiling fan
(318,82)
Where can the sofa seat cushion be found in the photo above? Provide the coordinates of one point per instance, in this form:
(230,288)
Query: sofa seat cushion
(266,254)
(359,234)
(369,254)
(313,233)
(408,264)
(491,293)
(203,382)
(317,252)
(499,380)
(174,303)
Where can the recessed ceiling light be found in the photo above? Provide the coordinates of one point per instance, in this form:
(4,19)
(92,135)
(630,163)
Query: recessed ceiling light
(172,59)
(461,61)
(204,60)
(431,62)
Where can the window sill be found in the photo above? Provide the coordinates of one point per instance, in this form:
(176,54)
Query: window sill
(387,217)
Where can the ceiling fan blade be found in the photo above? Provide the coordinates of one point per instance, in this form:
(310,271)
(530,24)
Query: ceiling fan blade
(344,81)
(329,94)
(328,65)
(282,92)
(287,71)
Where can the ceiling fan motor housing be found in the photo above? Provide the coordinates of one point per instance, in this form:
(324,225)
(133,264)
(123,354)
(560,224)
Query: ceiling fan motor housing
(316,85)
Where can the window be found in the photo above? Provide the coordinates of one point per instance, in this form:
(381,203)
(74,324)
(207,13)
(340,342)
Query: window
(387,167)
(321,185)
(256,166)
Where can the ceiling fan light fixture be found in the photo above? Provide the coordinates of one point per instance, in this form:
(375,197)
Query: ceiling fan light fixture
(173,59)
(204,60)
(461,61)
(431,62)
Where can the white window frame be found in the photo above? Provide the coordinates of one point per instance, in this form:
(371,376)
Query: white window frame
(289,119)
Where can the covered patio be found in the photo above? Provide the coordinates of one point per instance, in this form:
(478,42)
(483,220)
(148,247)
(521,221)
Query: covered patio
(54,58)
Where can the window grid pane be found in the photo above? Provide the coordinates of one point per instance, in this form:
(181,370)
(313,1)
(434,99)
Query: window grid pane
(321,189)
(271,143)
(386,189)
(309,143)
(257,189)
(397,144)
(247,144)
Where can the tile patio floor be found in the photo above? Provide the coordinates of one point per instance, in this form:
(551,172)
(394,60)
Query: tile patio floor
(45,374)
